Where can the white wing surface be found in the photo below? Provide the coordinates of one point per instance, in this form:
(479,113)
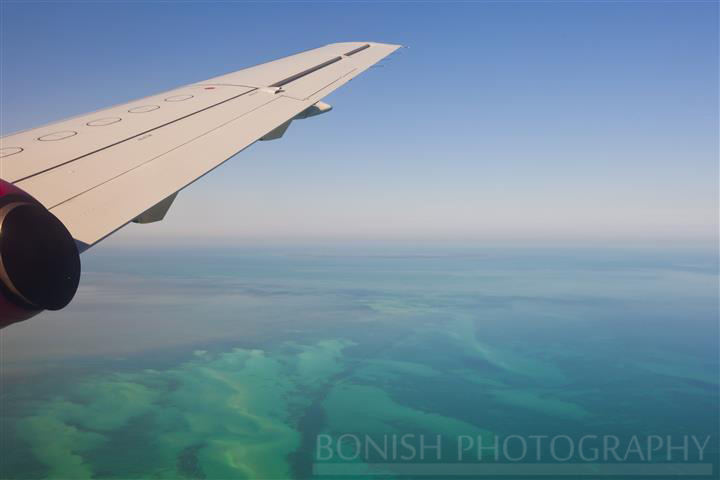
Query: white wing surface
(100,171)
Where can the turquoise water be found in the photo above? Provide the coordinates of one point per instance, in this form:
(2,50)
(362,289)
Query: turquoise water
(236,363)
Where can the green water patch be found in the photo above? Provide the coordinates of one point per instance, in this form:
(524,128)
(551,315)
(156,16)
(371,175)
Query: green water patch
(378,370)
(370,410)
(399,306)
(464,332)
(367,425)
(243,413)
(228,415)
(59,446)
(543,403)
(683,369)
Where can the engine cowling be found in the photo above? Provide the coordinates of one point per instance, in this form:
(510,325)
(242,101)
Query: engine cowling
(39,259)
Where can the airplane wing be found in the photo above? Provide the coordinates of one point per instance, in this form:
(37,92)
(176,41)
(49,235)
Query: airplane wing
(97,172)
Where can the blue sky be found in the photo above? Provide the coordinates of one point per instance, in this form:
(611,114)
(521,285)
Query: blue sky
(552,122)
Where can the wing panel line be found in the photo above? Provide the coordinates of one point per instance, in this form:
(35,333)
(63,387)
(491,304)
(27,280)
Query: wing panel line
(159,156)
(39,172)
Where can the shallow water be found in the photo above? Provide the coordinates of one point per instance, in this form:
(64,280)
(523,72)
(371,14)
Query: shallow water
(240,363)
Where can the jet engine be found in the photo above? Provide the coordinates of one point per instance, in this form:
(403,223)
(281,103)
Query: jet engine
(39,259)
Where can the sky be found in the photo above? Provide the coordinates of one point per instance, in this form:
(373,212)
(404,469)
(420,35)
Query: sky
(584,123)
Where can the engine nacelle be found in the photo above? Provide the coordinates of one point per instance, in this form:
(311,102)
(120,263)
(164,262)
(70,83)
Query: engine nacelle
(39,259)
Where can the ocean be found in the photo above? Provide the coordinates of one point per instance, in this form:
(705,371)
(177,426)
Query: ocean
(356,362)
